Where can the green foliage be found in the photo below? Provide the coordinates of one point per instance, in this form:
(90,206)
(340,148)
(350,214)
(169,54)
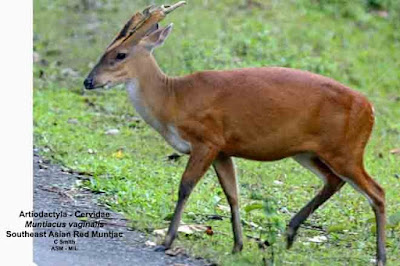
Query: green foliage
(274,225)
(346,40)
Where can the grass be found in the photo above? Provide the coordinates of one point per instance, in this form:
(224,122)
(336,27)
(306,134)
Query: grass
(349,42)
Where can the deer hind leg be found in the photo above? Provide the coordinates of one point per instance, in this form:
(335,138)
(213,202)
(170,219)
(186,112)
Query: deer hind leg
(224,168)
(332,183)
(355,174)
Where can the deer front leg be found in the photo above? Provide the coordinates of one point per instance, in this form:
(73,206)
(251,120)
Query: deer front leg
(200,160)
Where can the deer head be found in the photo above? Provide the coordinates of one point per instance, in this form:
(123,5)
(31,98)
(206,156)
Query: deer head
(138,38)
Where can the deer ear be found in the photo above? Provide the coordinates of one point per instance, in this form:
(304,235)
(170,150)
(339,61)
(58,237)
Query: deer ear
(158,37)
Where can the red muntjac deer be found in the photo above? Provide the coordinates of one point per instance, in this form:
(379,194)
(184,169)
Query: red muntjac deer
(263,114)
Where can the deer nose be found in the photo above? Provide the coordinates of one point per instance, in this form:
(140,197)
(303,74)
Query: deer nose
(88,83)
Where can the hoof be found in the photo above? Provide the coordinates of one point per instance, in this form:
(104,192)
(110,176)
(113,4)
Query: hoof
(289,241)
(290,234)
(160,248)
(237,248)
(381,262)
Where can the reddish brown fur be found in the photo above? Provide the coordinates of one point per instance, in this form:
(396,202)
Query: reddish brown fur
(284,111)
(261,114)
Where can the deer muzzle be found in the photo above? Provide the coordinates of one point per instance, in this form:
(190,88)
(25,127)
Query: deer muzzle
(88,83)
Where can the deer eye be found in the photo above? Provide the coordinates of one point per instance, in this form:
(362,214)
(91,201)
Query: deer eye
(120,56)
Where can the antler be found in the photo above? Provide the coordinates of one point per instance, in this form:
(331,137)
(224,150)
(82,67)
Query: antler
(140,24)
(156,14)
(168,9)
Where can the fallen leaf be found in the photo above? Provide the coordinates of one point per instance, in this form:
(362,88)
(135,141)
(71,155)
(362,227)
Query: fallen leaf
(190,229)
(43,166)
(187,229)
(318,239)
(73,121)
(66,170)
(119,154)
(395,151)
(209,231)
(252,225)
(284,210)
(160,232)
(149,243)
(223,208)
(175,251)
(216,199)
(112,131)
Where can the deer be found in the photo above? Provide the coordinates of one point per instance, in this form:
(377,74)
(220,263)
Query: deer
(262,114)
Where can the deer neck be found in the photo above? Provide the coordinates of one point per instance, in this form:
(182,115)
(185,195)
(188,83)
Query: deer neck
(149,92)
(150,85)
(152,95)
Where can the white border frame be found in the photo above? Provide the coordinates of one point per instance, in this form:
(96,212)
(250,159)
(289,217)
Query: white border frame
(16,176)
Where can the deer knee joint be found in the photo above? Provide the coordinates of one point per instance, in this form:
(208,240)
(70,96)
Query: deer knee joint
(379,205)
(185,189)
(233,201)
